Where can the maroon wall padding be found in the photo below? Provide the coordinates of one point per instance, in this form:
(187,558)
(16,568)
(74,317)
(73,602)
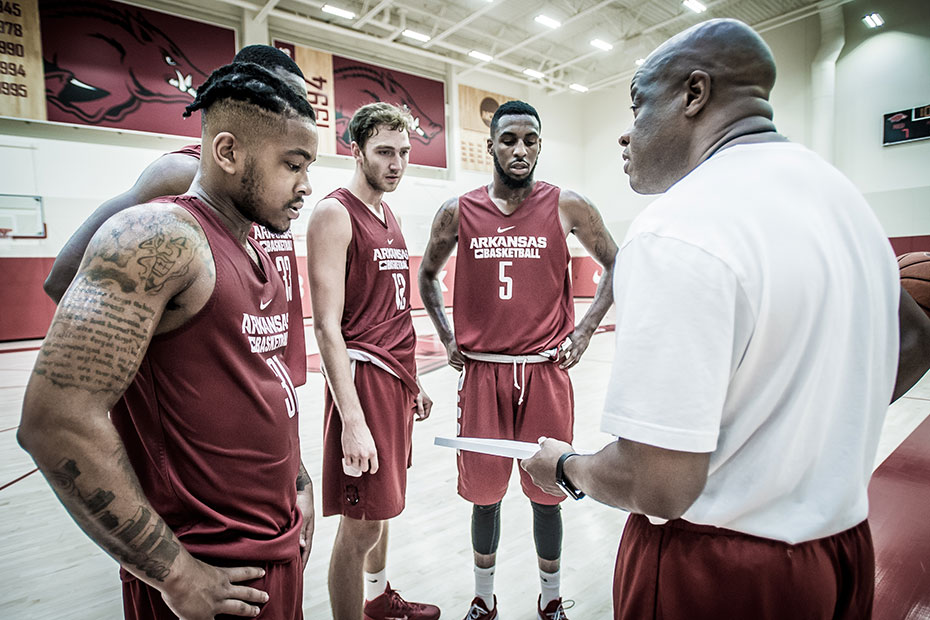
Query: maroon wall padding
(903,245)
(899,500)
(586,273)
(446,277)
(25,310)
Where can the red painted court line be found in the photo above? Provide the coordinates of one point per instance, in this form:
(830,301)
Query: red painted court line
(19,350)
(12,482)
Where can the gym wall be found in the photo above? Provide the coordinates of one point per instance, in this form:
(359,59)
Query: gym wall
(75,169)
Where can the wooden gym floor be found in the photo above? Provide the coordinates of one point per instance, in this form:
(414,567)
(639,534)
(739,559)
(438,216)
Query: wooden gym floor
(50,570)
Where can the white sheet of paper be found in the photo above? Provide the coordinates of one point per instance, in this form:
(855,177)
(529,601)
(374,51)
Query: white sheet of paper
(495,447)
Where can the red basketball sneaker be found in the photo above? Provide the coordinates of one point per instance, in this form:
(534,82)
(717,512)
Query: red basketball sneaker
(478,610)
(554,610)
(390,606)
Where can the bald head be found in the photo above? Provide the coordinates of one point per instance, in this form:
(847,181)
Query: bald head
(701,90)
(731,52)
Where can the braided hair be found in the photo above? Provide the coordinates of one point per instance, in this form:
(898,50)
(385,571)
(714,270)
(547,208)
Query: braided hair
(269,57)
(250,83)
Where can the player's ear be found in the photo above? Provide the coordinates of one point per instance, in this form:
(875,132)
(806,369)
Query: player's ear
(356,150)
(490,146)
(226,152)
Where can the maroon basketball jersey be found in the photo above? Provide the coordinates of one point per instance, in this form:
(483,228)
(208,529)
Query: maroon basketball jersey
(280,248)
(513,290)
(377,303)
(210,420)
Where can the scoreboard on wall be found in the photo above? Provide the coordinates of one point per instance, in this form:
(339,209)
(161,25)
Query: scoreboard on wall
(22,81)
(907,125)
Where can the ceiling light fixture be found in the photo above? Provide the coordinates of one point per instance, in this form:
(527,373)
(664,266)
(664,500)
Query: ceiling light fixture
(413,34)
(695,6)
(601,45)
(548,21)
(335,10)
(873,20)
(533,73)
(480,56)
(579,88)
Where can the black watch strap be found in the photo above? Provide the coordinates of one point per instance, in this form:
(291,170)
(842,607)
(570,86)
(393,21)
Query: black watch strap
(564,483)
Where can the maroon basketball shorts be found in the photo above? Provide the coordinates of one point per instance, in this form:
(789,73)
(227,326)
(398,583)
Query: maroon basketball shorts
(684,571)
(489,407)
(283,581)
(388,407)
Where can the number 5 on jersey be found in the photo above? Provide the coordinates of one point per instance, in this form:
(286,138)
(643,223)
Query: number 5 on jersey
(400,290)
(506,288)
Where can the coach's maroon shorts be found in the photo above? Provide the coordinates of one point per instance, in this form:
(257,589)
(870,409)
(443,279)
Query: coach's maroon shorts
(389,408)
(684,571)
(489,407)
(283,581)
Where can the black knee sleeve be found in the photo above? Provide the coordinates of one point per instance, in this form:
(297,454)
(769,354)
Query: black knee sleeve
(547,530)
(485,528)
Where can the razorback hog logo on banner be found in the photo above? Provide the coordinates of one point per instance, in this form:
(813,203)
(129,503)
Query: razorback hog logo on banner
(380,85)
(104,60)
(375,84)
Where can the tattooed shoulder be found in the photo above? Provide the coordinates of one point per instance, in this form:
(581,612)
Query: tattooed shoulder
(131,270)
(145,248)
(447,218)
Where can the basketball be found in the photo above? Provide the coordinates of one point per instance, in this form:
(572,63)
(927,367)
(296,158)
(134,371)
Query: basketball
(915,277)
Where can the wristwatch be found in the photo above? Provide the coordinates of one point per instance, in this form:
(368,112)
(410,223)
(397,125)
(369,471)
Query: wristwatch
(564,483)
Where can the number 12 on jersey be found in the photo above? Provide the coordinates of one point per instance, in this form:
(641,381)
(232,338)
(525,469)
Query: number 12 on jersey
(506,289)
(400,290)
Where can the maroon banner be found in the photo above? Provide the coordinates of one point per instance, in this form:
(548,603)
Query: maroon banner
(109,64)
(357,83)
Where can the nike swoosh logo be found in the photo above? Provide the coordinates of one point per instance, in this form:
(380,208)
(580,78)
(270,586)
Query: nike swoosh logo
(390,241)
(264,304)
(502,230)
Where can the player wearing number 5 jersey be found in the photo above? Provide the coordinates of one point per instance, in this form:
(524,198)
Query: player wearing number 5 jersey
(515,335)
(359,286)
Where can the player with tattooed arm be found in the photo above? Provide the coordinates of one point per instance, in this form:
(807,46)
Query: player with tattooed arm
(176,324)
(513,265)
(172,175)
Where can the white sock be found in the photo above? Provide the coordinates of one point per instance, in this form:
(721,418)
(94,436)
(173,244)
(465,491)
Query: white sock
(375,584)
(484,585)
(550,583)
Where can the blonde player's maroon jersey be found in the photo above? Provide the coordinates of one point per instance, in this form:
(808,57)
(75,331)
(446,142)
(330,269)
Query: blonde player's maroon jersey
(210,420)
(280,247)
(513,290)
(376,314)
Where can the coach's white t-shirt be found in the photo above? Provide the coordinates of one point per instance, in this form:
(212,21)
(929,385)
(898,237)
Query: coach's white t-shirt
(757,319)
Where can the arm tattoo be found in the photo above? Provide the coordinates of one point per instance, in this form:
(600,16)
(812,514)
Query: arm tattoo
(303,478)
(602,240)
(94,342)
(142,541)
(447,217)
(163,259)
(104,323)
